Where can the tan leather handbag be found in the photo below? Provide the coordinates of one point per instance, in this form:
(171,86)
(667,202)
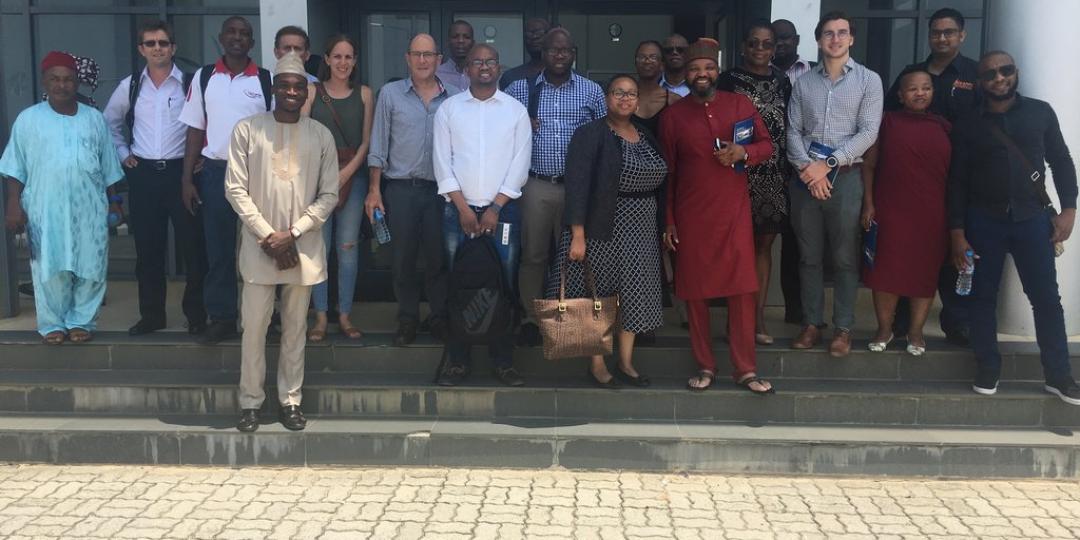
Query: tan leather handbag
(577,327)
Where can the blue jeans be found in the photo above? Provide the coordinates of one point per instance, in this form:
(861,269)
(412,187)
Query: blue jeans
(219,228)
(342,232)
(502,349)
(1029,243)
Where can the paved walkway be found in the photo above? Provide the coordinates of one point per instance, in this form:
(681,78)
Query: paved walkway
(39,501)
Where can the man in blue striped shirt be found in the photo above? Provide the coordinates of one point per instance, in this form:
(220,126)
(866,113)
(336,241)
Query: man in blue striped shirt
(559,101)
(836,108)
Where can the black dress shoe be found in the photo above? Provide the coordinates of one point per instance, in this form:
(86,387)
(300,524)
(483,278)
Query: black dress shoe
(406,333)
(145,326)
(641,381)
(217,332)
(249,420)
(292,418)
(196,328)
(437,327)
(960,338)
(611,384)
(509,376)
(452,375)
(529,335)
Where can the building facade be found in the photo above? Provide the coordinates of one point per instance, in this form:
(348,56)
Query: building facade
(891,34)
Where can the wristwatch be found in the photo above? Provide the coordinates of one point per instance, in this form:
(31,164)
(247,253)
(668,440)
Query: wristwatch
(496,207)
(294,232)
(832,162)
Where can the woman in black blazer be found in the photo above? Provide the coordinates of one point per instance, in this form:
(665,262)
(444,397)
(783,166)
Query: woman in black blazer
(613,172)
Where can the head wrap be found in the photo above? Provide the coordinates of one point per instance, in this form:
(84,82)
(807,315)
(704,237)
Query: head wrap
(704,48)
(290,62)
(58,59)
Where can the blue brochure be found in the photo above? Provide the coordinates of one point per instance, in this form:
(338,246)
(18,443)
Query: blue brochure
(870,244)
(744,135)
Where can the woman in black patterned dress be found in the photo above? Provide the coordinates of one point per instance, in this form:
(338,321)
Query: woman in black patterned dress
(613,172)
(769,89)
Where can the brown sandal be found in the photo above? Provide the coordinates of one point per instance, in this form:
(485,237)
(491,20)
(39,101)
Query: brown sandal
(316,336)
(79,335)
(701,376)
(745,383)
(352,332)
(55,337)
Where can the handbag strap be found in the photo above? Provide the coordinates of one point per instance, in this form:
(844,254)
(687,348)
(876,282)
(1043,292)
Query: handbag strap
(1038,183)
(320,90)
(590,280)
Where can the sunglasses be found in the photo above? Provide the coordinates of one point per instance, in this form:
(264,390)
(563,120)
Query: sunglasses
(163,43)
(1008,70)
(767,45)
(673,50)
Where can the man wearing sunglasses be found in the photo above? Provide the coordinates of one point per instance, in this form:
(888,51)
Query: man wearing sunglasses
(143,115)
(998,205)
(954,77)
(674,57)
(786,57)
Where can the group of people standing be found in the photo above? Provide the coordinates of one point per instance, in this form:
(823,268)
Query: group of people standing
(554,170)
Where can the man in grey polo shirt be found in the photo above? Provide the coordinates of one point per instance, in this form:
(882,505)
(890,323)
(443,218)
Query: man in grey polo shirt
(401,138)
(834,114)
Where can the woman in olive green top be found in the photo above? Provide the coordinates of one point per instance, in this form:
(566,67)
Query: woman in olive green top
(344,106)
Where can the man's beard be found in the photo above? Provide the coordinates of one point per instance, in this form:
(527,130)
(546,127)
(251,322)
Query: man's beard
(706,92)
(1007,95)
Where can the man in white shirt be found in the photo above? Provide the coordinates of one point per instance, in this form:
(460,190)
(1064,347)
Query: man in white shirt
(221,95)
(482,149)
(147,106)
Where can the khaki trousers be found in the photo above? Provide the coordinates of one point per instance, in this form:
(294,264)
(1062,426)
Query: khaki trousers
(542,204)
(257,306)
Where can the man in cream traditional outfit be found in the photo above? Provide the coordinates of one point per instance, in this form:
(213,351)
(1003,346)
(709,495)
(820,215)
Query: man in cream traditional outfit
(282,180)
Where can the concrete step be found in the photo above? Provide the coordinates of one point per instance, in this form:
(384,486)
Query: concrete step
(666,446)
(350,395)
(670,357)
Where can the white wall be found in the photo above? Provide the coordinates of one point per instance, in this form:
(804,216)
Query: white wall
(1021,28)
(273,14)
(804,14)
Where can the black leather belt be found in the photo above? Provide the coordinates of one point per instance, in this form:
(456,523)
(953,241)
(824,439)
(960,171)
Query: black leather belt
(414,182)
(553,179)
(160,164)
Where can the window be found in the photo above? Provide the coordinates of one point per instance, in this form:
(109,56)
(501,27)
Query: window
(197,40)
(386,39)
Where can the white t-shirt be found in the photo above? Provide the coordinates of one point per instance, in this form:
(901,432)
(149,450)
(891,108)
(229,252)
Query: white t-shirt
(230,98)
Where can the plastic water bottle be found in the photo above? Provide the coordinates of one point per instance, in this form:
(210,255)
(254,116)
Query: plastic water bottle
(963,281)
(382,230)
(113,219)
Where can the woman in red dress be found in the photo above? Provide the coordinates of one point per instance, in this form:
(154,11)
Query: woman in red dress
(904,175)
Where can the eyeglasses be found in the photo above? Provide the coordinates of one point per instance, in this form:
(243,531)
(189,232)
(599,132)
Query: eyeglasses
(838,34)
(490,62)
(948,33)
(565,51)
(1008,70)
(623,94)
(163,43)
(673,50)
(647,58)
(426,55)
(767,45)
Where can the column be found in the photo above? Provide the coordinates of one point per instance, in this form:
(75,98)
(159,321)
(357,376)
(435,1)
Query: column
(273,14)
(1021,29)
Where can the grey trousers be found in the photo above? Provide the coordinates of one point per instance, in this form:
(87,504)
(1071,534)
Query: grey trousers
(257,305)
(837,219)
(414,211)
(542,205)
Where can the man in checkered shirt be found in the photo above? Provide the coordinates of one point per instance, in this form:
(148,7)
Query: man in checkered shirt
(562,101)
(836,109)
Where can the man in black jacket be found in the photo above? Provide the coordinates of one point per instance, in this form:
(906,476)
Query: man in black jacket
(998,205)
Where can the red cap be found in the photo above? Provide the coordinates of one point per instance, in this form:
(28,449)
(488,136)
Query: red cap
(57,58)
